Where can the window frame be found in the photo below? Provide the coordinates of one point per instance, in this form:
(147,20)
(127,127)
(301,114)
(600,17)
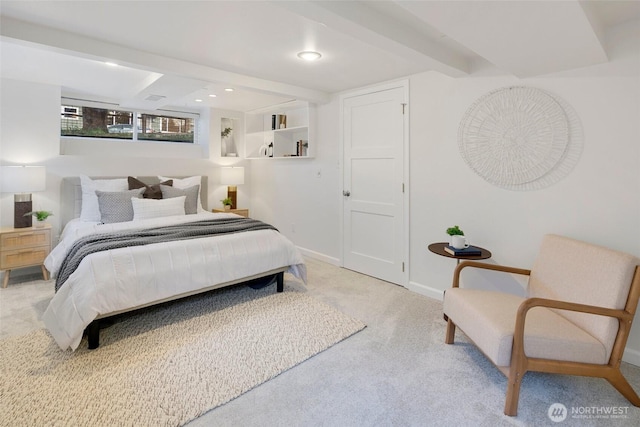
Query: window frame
(136,115)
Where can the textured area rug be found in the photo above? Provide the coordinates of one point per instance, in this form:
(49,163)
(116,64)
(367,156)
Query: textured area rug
(169,364)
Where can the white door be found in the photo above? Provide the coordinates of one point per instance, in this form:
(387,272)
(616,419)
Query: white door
(373,184)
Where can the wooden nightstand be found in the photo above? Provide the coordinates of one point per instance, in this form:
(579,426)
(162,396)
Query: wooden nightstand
(24,247)
(241,212)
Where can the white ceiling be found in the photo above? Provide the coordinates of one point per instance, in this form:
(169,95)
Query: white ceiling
(187,50)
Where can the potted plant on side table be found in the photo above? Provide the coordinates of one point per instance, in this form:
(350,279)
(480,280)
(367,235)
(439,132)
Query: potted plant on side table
(41,217)
(454,231)
(227,203)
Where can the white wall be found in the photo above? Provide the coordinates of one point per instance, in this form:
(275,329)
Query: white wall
(301,196)
(29,134)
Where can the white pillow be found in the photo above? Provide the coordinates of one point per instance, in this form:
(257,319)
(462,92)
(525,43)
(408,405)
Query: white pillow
(156,208)
(183,183)
(90,210)
(191,194)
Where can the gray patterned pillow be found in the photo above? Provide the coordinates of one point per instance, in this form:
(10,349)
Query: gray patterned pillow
(115,206)
(190,201)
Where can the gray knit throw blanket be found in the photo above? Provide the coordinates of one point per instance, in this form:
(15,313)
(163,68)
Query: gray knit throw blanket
(192,230)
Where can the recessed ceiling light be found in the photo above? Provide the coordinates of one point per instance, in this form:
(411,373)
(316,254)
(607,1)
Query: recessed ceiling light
(212,95)
(198,100)
(229,89)
(309,55)
(111,64)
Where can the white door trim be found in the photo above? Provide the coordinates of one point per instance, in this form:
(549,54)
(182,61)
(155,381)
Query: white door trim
(404,84)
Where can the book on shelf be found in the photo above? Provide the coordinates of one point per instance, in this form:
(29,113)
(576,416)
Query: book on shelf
(278,121)
(301,147)
(470,251)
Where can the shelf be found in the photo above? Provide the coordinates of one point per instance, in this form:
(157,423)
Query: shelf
(292,130)
(285,142)
(282,131)
(281,158)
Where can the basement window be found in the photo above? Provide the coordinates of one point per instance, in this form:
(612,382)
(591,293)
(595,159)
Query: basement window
(93,121)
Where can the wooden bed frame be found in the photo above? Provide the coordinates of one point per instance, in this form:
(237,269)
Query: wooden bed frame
(71,203)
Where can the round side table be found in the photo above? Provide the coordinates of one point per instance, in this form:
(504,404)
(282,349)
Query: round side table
(438,248)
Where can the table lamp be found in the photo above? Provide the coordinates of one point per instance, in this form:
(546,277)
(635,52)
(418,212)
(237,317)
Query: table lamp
(22,180)
(232,176)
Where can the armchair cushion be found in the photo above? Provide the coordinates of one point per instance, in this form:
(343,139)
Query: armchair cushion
(575,271)
(548,335)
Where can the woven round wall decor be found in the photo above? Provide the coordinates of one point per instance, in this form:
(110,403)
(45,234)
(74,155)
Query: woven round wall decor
(519,138)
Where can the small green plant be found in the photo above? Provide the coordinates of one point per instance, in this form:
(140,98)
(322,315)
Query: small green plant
(455,231)
(40,215)
(225,132)
(227,201)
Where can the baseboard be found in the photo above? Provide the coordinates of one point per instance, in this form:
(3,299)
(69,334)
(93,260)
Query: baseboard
(427,291)
(320,257)
(631,356)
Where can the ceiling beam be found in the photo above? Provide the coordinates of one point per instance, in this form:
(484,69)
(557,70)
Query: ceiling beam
(525,38)
(72,44)
(375,28)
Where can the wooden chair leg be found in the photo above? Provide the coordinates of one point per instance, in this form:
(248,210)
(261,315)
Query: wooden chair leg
(5,280)
(621,384)
(451,331)
(45,272)
(513,393)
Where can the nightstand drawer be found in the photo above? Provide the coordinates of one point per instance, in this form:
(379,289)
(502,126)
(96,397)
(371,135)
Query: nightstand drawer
(25,239)
(23,257)
(24,247)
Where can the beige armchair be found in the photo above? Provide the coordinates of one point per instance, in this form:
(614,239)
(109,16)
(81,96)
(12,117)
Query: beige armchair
(581,302)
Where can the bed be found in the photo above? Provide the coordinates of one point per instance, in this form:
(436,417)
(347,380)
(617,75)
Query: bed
(115,278)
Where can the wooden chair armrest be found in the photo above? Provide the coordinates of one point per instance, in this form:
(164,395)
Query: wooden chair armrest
(529,303)
(483,265)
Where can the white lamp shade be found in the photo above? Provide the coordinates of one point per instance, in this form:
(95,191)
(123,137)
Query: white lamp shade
(232,175)
(23,179)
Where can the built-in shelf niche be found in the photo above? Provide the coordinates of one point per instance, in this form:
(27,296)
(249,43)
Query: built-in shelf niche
(268,136)
(229,129)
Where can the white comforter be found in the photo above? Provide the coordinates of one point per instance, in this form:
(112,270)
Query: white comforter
(114,280)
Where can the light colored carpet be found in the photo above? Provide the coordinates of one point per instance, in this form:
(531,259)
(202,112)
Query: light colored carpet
(167,365)
(396,372)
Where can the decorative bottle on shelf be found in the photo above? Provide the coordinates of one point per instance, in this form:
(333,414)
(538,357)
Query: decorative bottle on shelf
(270,150)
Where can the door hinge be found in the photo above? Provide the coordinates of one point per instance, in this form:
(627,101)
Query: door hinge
(403,267)
(403,187)
(403,105)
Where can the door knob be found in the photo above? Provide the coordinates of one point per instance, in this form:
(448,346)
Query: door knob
(346,193)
